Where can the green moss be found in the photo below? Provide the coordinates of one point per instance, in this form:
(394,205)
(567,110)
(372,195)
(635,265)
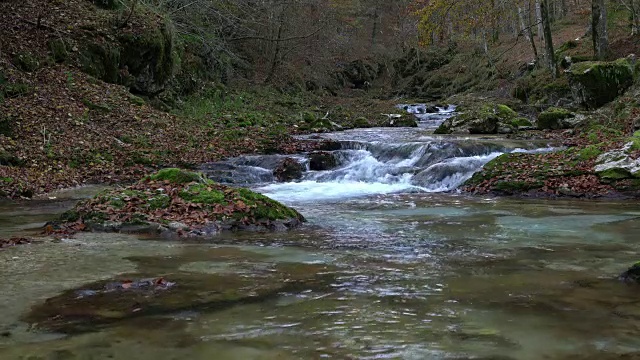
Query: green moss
(552,118)
(517,186)
(26,62)
(177,176)
(521,121)
(615,174)
(265,208)
(159,201)
(97,107)
(70,216)
(361,122)
(14,90)
(136,100)
(58,49)
(635,139)
(596,83)
(101,61)
(203,194)
(589,152)
(504,112)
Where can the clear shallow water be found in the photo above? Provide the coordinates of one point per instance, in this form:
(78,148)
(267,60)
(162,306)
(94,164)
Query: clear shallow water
(414,276)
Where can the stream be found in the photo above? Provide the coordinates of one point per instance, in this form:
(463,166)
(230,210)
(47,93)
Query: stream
(394,263)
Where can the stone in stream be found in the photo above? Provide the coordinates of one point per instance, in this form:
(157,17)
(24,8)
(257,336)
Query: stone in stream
(288,170)
(322,161)
(632,275)
(99,304)
(202,207)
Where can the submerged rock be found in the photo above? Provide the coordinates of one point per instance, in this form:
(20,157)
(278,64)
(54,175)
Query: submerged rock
(172,196)
(99,304)
(483,118)
(595,83)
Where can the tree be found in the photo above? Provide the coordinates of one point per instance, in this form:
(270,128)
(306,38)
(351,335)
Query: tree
(548,40)
(599,29)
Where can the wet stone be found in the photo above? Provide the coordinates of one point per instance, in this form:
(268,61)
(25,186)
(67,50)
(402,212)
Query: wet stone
(102,303)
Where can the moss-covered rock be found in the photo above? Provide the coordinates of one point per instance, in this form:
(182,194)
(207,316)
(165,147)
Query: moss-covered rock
(595,83)
(144,61)
(521,122)
(361,122)
(101,61)
(174,195)
(400,121)
(555,118)
(482,118)
(150,58)
(618,164)
(59,50)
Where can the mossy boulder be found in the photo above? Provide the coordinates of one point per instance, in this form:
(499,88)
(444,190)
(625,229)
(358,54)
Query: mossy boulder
(555,118)
(618,164)
(399,121)
(361,122)
(482,118)
(595,83)
(521,122)
(144,61)
(150,58)
(174,195)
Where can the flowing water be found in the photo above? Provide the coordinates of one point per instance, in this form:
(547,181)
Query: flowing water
(404,267)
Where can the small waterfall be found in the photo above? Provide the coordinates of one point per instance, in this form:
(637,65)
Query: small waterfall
(376,161)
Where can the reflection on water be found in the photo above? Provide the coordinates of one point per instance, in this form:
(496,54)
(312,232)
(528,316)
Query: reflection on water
(414,276)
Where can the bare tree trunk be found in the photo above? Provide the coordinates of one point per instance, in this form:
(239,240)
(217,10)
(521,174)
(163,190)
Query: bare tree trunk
(548,40)
(276,52)
(374,31)
(539,20)
(526,30)
(599,29)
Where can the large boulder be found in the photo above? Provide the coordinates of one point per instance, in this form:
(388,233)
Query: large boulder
(288,170)
(144,60)
(558,118)
(322,161)
(595,83)
(175,202)
(618,164)
(483,118)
